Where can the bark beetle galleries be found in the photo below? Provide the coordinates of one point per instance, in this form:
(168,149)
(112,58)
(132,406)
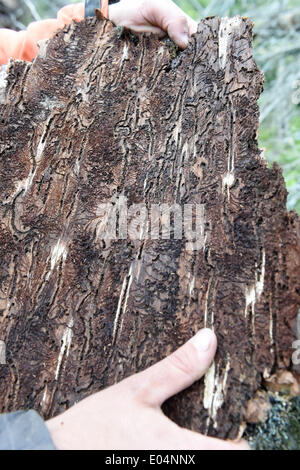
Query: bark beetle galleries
(79,313)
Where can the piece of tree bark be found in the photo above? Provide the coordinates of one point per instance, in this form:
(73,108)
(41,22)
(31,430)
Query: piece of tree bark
(102,114)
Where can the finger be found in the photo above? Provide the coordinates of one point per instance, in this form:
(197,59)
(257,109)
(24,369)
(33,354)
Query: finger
(170,18)
(177,371)
(211,443)
(193,440)
(147,29)
(126,15)
(193,25)
(178,31)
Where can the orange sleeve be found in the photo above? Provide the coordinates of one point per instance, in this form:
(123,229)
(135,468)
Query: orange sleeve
(23,44)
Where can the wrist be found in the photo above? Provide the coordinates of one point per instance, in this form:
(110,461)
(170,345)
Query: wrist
(58,434)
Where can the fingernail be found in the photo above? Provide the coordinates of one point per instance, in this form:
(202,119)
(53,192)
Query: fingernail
(184,39)
(203,339)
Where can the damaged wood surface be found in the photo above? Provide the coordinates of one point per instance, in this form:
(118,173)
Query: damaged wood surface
(97,117)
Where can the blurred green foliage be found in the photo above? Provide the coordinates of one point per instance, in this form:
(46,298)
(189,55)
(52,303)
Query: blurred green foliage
(277,52)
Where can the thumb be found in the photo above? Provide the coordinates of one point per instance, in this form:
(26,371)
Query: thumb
(177,371)
(169,18)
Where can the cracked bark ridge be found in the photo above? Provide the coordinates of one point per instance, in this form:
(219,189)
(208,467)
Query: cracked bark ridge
(97,116)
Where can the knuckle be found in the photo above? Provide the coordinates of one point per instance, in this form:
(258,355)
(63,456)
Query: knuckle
(178,21)
(139,388)
(182,20)
(143,8)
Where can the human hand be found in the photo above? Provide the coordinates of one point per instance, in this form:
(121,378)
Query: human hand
(155,16)
(128,415)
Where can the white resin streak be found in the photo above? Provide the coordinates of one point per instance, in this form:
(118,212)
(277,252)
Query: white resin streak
(27,182)
(65,347)
(206,302)
(253,293)
(125,289)
(226,30)
(227,27)
(58,251)
(125,52)
(228,182)
(134,272)
(214,391)
(192,285)
(45,396)
(3,81)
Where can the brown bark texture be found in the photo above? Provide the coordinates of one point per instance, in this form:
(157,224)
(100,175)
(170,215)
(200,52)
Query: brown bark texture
(103,113)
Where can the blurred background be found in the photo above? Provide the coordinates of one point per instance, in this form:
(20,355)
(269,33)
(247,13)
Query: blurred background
(276,50)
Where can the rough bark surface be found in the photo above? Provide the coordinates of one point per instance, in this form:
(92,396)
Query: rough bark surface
(97,116)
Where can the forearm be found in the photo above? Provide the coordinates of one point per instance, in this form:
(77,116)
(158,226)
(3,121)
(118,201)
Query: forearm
(156,16)
(23,45)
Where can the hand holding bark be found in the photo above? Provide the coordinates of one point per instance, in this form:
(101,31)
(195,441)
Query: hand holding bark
(128,415)
(157,16)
